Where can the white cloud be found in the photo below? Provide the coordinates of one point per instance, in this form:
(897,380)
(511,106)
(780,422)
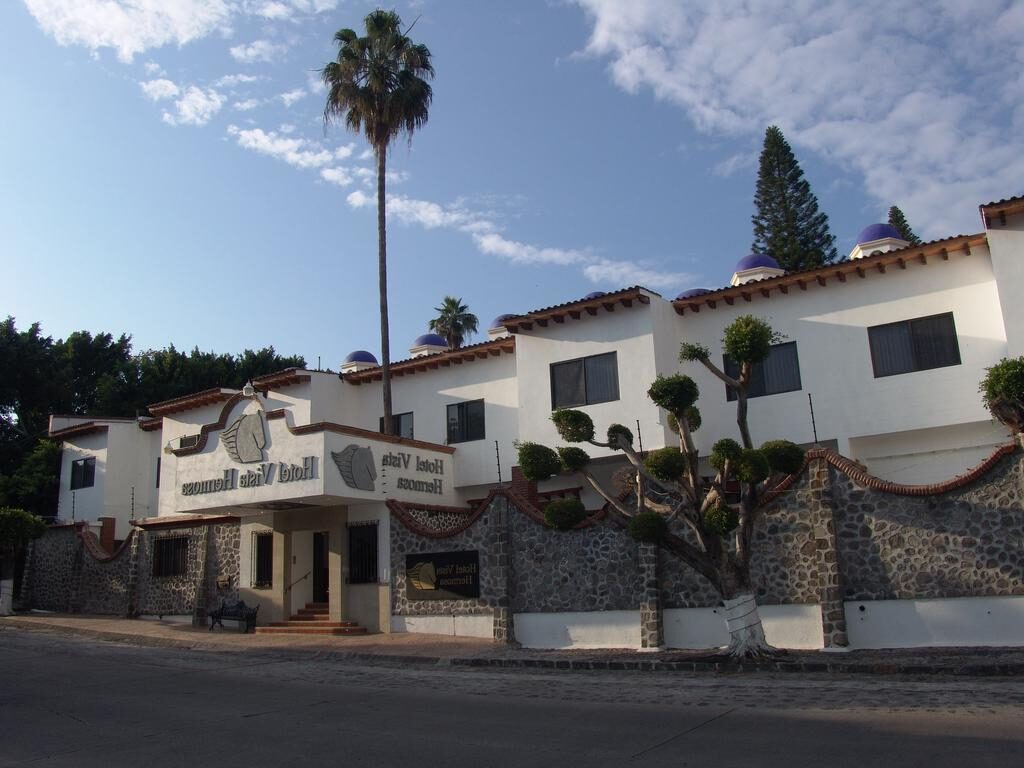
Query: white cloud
(276,11)
(195,107)
(287,128)
(872,85)
(359,199)
(626,273)
(152,68)
(343,152)
(159,89)
(258,50)
(339,175)
(286,10)
(290,97)
(495,244)
(297,152)
(129,26)
(246,105)
(229,81)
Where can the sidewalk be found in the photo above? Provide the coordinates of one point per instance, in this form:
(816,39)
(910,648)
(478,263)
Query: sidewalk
(407,648)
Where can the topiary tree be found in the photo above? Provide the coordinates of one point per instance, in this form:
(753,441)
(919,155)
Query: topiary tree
(17,528)
(1002,391)
(677,509)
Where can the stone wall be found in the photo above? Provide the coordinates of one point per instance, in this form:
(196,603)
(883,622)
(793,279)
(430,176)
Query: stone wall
(52,564)
(103,582)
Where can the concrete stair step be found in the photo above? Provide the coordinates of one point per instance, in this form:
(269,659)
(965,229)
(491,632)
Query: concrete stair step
(324,623)
(318,606)
(292,630)
(312,612)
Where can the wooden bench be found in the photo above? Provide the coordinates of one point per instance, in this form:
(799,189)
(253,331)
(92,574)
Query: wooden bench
(239,612)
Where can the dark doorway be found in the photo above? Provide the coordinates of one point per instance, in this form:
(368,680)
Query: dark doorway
(320,572)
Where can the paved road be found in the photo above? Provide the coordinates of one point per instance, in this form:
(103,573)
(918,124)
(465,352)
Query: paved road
(72,702)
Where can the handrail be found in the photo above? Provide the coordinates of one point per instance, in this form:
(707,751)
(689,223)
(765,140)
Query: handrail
(301,578)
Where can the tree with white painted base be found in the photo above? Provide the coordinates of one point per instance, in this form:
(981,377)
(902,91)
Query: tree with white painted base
(17,528)
(669,503)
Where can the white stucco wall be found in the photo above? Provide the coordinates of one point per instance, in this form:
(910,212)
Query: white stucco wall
(785,626)
(578,629)
(455,626)
(1006,242)
(961,621)
(83,503)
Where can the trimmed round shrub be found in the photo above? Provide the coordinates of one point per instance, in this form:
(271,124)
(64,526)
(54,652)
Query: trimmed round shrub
(783,456)
(648,528)
(615,431)
(538,462)
(674,393)
(573,459)
(573,426)
(1002,391)
(564,514)
(693,420)
(666,463)
(724,450)
(752,466)
(748,339)
(693,352)
(721,519)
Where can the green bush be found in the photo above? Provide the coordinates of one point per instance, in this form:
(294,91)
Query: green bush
(748,339)
(615,431)
(648,528)
(720,519)
(752,466)
(18,528)
(674,393)
(1002,391)
(692,416)
(573,459)
(693,352)
(564,514)
(783,456)
(573,426)
(724,450)
(666,464)
(537,462)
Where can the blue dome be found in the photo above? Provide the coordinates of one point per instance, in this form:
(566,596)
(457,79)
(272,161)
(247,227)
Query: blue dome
(430,340)
(756,261)
(360,356)
(692,292)
(878,232)
(499,321)
(594,295)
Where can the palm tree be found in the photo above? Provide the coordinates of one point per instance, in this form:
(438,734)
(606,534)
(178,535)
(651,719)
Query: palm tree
(377,87)
(454,321)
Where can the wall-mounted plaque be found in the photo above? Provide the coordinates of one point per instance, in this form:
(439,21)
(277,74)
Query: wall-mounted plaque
(442,575)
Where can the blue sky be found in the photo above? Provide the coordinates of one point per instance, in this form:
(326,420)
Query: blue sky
(166,171)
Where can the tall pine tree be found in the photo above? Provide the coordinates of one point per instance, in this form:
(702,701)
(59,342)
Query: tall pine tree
(899,221)
(787,223)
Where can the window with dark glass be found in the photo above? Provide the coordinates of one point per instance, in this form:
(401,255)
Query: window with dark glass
(157,471)
(779,372)
(362,553)
(83,473)
(913,345)
(263,559)
(466,421)
(401,425)
(170,556)
(585,381)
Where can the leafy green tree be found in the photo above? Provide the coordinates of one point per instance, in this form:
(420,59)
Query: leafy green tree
(17,528)
(378,86)
(676,508)
(33,485)
(1002,391)
(787,223)
(899,221)
(454,321)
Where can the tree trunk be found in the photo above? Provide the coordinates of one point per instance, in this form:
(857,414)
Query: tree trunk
(382,274)
(746,633)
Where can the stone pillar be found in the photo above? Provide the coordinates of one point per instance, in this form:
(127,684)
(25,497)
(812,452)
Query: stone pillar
(25,595)
(77,564)
(652,635)
(202,557)
(107,528)
(830,577)
(504,631)
(525,489)
(132,587)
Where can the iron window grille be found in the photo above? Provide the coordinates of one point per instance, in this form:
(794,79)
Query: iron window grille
(362,553)
(170,556)
(262,559)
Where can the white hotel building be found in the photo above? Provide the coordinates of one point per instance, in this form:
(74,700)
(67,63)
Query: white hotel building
(881,360)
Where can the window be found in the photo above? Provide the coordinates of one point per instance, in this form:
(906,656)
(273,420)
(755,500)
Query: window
(779,372)
(466,421)
(170,556)
(157,471)
(362,553)
(262,559)
(401,425)
(585,381)
(83,473)
(913,345)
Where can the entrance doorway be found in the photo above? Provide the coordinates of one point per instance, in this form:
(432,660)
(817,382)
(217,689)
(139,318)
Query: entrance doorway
(321,548)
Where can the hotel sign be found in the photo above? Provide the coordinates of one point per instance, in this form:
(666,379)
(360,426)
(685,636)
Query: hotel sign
(358,469)
(442,575)
(266,473)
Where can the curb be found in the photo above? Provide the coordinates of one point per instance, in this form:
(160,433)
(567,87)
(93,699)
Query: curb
(967,669)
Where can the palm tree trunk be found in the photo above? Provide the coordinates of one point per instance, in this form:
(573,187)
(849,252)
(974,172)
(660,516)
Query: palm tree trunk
(382,273)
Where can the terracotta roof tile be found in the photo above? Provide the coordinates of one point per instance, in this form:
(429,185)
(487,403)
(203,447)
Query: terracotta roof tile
(492,348)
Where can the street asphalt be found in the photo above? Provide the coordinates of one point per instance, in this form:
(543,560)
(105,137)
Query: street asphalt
(77,701)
